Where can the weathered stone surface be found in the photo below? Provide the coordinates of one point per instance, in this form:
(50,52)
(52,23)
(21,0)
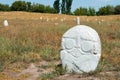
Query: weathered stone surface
(81,49)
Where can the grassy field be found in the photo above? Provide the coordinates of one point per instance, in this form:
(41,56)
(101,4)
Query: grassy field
(35,37)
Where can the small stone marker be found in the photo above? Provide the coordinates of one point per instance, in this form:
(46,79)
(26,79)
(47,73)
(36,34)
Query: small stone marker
(78,20)
(5,23)
(81,49)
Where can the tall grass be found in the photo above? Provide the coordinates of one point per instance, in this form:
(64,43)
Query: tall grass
(28,39)
(30,43)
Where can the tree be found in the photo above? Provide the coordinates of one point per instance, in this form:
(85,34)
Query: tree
(77,12)
(49,9)
(57,5)
(38,8)
(28,6)
(4,7)
(63,7)
(117,9)
(66,6)
(91,12)
(80,11)
(106,10)
(19,6)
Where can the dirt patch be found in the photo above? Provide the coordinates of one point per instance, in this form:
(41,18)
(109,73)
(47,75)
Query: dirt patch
(32,72)
(35,71)
(98,76)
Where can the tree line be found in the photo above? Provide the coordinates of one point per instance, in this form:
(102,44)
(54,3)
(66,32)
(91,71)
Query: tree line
(63,7)
(106,10)
(27,6)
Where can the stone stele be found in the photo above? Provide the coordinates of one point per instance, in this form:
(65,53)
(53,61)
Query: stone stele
(5,23)
(81,49)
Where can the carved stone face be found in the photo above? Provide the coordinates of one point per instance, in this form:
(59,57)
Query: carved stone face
(81,49)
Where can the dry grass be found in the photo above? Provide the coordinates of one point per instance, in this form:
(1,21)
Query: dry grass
(32,39)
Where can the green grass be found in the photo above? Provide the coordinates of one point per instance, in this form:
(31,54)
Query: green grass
(47,76)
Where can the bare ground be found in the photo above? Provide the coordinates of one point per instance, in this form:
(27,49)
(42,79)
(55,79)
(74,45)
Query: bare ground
(34,72)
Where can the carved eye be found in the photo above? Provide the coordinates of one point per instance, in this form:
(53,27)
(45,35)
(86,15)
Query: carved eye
(69,43)
(86,46)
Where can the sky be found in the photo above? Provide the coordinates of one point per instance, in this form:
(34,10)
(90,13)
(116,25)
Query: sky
(76,3)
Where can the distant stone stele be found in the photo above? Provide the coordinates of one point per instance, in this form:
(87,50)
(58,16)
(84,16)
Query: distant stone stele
(5,23)
(81,49)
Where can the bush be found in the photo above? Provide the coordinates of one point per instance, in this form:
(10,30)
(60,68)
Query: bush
(48,9)
(19,6)
(80,11)
(4,7)
(117,9)
(106,10)
(38,8)
(91,12)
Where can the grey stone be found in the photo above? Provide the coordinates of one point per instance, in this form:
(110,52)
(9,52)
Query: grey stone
(81,49)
